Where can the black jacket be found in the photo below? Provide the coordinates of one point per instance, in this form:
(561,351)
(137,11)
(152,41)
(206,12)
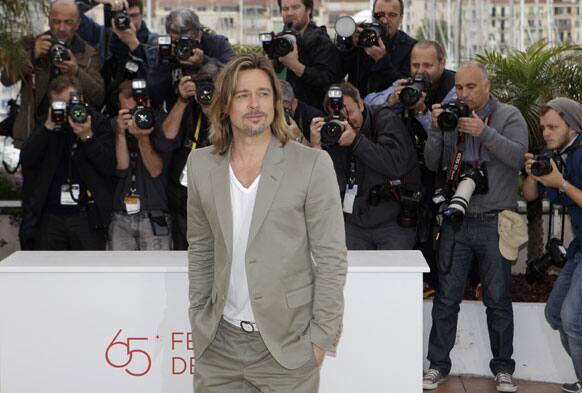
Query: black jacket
(322,66)
(368,76)
(382,151)
(94,161)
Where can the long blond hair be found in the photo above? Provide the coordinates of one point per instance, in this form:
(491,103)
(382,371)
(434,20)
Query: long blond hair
(220,127)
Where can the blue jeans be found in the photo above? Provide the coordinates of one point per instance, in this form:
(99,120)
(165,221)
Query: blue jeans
(134,232)
(564,309)
(477,239)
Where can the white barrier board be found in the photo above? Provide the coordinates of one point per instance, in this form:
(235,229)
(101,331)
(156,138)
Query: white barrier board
(117,322)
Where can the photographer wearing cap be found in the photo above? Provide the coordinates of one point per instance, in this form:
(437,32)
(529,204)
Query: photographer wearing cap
(481,146)
(376,169)
(58,51)
(140,207)
(558,173)
(126,56)
(67,165)
(199,46)
(314,63)
(377,67)
(185,129)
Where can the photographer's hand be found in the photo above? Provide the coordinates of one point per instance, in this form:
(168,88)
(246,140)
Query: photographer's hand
(376,52)
(196,59)
(123,118)
(315,132)
(348,136)
(393,98)
(471,125)
(49,124)
(82,130)
(554,179)
(116,5)
(42,45)
(69,67)
(127,36)
(139,133)
(291,61)
(186,88)
(437,109)
(528,161)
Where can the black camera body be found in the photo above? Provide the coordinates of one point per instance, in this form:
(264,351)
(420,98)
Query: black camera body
(408,198)
(543,165)
(184,47)
(172,51)
(77,110)
(473,181)
(204,90)
(280,44)
(414,87)
(58,52)
(121,19)
(143,116)
(452,111)
(333,127)
(371,33)
(555,256)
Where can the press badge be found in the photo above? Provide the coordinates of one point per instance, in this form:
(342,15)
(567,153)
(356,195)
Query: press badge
(184,177)
(350,198)
(67,198)
(132,205)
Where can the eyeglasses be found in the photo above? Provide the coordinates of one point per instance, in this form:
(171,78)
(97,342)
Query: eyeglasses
(382,14)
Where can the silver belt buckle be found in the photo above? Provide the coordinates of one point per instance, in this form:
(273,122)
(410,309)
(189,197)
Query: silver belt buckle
(248,327)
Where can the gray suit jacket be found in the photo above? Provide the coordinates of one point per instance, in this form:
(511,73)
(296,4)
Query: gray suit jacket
(296,255)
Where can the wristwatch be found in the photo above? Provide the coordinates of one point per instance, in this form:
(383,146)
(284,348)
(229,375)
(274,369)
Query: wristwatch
(564,186)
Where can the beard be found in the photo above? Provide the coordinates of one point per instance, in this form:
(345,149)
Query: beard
(253,131)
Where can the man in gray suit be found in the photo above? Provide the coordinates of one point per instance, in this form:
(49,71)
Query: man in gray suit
(267,254)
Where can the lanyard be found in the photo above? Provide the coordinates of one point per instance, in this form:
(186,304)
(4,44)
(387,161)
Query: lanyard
(197,132)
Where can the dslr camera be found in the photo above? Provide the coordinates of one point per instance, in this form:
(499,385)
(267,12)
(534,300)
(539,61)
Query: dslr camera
(452,111)
(555,255)
(346,26)
(414,87)
(174,51)
(58,52)
(75,109)
(473,181)
(121,19)
(543,165)
(204,89)
(281,44)
(333,128)
(143,116)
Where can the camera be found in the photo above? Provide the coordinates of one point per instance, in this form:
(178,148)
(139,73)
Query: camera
(415,86)
(174,51)
(555,256)
(58,113)
(184,47)
(281,44)
(409,204)
(333,128)
(543,165)
(204,90)
(452,111)
(58,52)
(370,34)
(345,27)
(121,19)
(473,181)
(143,116)
(77,109)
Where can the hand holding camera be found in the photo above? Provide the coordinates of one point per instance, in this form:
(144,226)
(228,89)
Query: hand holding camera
(376,52)
(143,116)
(42,45)
(315,131)
(69,66)
(186,88)
(123,118)
(126,31)
(473,125)
(116,5)
(544,169)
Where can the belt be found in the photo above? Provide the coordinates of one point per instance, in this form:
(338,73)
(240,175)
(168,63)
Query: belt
(245,326)
(489,214)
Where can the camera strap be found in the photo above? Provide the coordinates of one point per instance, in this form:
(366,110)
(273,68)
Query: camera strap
(133,156)
(69,189)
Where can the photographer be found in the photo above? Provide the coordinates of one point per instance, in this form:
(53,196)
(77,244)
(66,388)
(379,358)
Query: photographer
(432,84)
(184,130)
(314,63)
(372,150)
(489,140)
(206,47)
(298,114)
(376,68)
(126,56)
(140,220)
(58,51)
(561,124)
(67,165)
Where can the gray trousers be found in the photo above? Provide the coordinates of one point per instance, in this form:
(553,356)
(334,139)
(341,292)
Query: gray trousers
(239,362)
(135,232)
(387,236)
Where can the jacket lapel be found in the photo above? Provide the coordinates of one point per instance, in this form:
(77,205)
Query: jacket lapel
(271,175)
(220,179)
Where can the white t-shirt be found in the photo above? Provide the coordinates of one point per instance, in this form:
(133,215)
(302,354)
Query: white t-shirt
(238,302)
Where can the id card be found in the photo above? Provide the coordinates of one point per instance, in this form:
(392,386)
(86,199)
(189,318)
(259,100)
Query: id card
(67,198)
(350,198)
(132,205)
(184,176)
